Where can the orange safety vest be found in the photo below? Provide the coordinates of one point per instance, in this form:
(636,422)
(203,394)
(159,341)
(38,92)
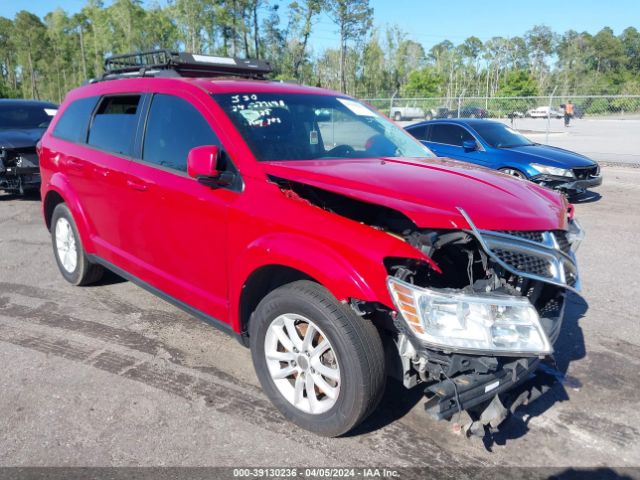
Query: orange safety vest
(568,109)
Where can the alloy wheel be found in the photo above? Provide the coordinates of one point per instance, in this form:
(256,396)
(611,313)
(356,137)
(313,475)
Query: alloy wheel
(513,172)
(302,363)
(66,245)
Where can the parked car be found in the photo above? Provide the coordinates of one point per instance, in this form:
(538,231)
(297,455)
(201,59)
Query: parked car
(22,122)
(544,112)
(494,145)
(472,111)
(406,113)
(340,252)
(439,112)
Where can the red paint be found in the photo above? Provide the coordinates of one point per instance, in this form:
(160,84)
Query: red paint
(200,245)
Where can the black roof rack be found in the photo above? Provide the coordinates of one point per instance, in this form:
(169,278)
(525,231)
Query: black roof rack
(167,63)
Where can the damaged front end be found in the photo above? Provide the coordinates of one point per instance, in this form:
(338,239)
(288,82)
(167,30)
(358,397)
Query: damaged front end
(482,326)
(19,169)
(475,314)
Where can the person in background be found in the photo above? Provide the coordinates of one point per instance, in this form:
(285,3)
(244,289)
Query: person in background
(568,112)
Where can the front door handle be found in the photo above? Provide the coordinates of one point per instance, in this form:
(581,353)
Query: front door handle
(138,185)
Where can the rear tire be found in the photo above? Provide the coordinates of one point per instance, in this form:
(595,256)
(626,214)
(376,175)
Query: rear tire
(68,250)
(355,356)
(397,117)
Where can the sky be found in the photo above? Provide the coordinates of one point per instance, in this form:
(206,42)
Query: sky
(431,21)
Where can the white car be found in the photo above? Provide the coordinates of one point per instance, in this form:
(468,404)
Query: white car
(544,112)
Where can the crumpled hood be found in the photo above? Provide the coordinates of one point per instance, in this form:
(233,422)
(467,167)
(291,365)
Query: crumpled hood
(553,156)
(430,191)
(22,138)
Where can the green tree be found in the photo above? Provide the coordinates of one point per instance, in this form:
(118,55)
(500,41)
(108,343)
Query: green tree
(30,39)
(353,18)
(518,83)
(424,83)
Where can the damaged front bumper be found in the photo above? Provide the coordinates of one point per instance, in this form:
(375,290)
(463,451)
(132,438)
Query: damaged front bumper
(467,391)
(568,185)
(19,170)
(458,392)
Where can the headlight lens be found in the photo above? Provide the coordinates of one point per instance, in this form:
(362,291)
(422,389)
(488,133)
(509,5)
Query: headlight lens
(474,323)
(555,171)
(575,234)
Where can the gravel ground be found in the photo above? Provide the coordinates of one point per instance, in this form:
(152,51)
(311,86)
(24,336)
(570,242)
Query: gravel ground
(109,375)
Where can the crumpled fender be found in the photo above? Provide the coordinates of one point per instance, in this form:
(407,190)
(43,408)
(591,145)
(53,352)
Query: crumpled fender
(59,184)
(345,274)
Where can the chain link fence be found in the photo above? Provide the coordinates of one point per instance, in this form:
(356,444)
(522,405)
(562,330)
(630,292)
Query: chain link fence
(603,127)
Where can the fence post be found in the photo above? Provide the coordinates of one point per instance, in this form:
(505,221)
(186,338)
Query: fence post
(460,101)
(391,102)
(549,114)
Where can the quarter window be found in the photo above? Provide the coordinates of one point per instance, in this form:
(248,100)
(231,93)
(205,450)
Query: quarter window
(449,134)
(74,121)
(419,132)
(173,128)
(114,124)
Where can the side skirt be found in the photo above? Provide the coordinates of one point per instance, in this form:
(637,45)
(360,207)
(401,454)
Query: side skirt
(219,324)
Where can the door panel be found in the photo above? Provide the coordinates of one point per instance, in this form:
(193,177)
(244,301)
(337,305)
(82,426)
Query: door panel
(177,238)
(446,140)
(101,169)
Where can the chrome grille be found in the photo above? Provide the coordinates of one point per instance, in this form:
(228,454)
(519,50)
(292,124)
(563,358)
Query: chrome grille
(545,256)
(524,262)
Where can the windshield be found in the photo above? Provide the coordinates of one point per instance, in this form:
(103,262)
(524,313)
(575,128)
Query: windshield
(500,136)
(281,126)
(24,116)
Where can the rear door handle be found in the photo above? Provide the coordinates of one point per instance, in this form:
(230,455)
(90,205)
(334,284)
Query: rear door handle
(138,185)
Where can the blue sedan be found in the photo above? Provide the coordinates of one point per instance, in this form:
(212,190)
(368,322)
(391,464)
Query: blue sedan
(495,145)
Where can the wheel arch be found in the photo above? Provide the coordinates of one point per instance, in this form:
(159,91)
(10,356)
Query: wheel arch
(279,259)
(259,284)
(60,191)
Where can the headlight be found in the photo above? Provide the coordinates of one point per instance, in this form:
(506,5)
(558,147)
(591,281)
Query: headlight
(475,323)
(575,235)
(555,171)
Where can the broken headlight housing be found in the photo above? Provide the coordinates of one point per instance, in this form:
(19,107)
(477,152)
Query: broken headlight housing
(554,171)
(575,235)
(451,320)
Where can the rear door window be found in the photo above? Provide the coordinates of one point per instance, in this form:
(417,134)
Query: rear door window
(73,123)
(114,124)
(174,127)
(448,134)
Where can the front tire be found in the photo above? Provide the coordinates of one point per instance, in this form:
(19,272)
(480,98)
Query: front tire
(320,364)
(514,172)
(397,117)
(68,250)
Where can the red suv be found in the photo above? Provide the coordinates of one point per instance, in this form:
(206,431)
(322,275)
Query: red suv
(313,229)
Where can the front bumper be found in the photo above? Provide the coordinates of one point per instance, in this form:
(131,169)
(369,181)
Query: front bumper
(567,185)
(20,175)
(467,391)
(462,392)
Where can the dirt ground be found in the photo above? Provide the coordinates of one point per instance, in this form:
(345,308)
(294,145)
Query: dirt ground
(109,375)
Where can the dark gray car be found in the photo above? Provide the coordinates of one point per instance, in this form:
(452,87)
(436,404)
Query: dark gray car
(22,123)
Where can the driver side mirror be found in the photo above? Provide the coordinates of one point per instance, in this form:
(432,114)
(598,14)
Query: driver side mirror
(469,145)
(202,164)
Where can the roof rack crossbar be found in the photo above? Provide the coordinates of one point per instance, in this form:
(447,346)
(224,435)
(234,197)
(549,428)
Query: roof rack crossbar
(184,64)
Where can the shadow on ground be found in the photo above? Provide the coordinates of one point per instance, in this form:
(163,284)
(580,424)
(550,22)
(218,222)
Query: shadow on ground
(586,197)
(550,378)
